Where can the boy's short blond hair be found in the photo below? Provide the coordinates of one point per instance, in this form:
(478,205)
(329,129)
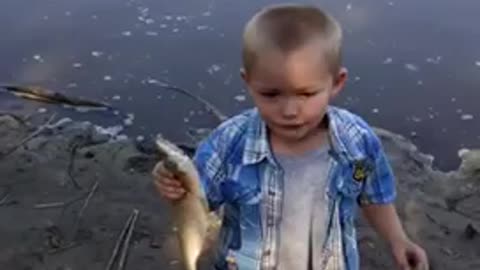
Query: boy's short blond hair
(288,27)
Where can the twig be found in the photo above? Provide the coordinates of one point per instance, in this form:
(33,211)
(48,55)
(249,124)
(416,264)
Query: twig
(71,166)
(209,106)
(64,248)
(119,242)
(57,204)
(49,205)
(4,199)
(434,221)
(126,244)
(29,137)
(82,210)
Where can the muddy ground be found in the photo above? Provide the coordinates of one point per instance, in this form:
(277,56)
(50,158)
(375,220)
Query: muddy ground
(72,163)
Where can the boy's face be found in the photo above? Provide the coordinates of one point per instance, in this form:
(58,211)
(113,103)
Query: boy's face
(292,91)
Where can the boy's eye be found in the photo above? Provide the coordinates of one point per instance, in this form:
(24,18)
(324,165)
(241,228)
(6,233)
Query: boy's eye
(310,94)
(270,94)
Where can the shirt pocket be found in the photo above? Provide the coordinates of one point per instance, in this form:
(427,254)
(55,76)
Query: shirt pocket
(354,178)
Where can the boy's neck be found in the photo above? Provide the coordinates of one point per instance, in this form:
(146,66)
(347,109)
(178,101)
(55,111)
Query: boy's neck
(316,139)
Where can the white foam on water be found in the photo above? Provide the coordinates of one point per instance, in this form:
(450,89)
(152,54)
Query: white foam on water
(213,69)
(168,17)
(435,60)
(68,13)
(416,119)
(202,27)
(45,18)
(129,120)
(388,60)
(186,120)
(391,3)
(453,99)
(477,63)
(111,131)
(126,33)
(357,78)
(411,67)
(149,21)
(349,7)
(240,98)
(175,30)
(42,110)
(151,33)
(420,82)
(77,65)
(163,25)
(116,97)
(466,117)
(97,53)
(140,138)
(107,78)
(206,14)
(72,85)
(38,58)
(375,110)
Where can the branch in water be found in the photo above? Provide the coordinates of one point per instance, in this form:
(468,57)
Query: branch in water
(209,106)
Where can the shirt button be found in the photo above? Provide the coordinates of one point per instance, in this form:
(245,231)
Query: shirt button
(270,221)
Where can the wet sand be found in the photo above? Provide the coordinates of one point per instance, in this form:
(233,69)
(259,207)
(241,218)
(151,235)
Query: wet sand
(46,168)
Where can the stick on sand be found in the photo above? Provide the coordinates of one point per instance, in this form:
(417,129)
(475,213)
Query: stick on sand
(28,138)
(126,244)
(123,238)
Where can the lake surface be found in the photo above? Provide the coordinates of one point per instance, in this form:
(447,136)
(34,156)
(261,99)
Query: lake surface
(414,65)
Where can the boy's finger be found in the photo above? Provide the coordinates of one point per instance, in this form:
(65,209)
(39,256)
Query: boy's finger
(171,182)
(169,190)
(160,171)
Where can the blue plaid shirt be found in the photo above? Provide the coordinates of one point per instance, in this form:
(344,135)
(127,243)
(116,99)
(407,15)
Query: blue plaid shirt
(238,171)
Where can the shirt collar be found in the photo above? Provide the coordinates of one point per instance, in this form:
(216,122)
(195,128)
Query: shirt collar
(257,146)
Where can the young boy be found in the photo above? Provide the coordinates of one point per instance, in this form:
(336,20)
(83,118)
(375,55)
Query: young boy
(291,171)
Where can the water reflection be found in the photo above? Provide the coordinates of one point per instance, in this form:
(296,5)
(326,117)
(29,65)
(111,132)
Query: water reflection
(412,70)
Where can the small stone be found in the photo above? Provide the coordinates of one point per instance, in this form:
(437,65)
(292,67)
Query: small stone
(471,231)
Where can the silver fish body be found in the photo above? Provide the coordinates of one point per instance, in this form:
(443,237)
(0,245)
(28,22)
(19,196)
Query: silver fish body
(196,226)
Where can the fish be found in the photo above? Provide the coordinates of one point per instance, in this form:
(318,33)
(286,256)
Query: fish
(197,227)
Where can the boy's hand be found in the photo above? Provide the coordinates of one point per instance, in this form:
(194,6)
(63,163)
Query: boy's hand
(166,184)
(409,256)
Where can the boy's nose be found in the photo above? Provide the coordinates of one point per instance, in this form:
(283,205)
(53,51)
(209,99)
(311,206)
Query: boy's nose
(290,108)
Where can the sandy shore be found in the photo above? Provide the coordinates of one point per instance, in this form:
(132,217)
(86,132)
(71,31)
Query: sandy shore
(72,162)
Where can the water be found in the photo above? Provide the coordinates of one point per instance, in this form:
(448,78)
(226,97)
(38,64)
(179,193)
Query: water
(414,65)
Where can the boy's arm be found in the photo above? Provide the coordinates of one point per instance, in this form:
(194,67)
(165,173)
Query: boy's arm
(378,196)
(208,162)
(377,202)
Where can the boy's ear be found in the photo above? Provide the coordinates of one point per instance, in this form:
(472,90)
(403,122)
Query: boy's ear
(339,82)
(243,74)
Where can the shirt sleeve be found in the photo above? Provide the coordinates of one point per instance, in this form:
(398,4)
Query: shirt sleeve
(379,188)
(209,163)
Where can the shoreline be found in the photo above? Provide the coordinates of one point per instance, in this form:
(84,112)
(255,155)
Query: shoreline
(436,207)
